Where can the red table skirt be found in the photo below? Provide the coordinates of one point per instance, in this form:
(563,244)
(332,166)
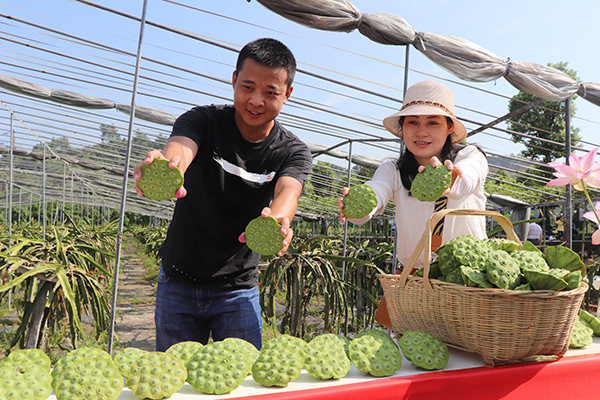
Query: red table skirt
(570,378)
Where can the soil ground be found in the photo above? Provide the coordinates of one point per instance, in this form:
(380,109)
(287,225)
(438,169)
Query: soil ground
(134,321)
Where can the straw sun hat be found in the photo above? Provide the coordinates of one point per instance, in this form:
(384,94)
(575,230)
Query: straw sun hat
(427,98)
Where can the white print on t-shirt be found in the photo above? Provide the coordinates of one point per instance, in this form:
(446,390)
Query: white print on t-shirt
(242,173)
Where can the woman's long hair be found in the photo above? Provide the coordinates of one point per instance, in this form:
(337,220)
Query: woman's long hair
(408,165)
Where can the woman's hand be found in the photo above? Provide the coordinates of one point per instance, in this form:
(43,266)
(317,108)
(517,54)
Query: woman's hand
(456,171)
(340,203)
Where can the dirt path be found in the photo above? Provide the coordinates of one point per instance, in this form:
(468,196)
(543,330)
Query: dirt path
(134,322)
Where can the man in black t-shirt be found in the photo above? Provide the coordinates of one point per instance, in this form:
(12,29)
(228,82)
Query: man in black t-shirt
(238,163)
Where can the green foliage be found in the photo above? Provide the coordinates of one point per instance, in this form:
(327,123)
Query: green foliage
(65,275)
(314,271)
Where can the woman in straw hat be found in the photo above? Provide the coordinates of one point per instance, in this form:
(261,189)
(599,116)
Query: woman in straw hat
(431,133)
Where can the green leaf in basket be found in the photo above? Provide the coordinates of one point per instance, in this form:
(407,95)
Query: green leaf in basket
(565,258)
(553,279)
(474,278)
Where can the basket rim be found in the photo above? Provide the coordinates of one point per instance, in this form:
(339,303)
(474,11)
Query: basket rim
(435,283)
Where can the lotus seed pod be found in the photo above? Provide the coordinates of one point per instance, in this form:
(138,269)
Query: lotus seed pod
(340,340)
(592,321)
(531,260)
(431,183)
(376,356)
(25,374)
(325,359)
(263,236)
(573,280)
(424,350)
(471,251)
(87,373)
(246,346)
(277,364)
(581,335)
(125,359)
(502,244)
(156,375)
(359,202)
(551,279)
(376,333)
(290,343)
(184,350)
(219,367)
(159,181)
(446,260)
(502,270)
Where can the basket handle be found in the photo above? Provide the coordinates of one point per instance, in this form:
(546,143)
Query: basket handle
(425,241)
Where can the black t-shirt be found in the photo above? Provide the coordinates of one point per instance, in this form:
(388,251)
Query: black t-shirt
(228,184)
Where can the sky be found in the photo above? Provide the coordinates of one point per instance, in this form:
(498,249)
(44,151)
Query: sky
(526,30)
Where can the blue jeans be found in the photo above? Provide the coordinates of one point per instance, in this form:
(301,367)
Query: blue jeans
(185,313)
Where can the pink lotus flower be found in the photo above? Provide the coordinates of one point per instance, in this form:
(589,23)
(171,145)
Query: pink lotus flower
(581,172)
(593,216)
(580,169)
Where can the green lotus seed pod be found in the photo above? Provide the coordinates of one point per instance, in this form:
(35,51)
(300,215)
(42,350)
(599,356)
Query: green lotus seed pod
(220,367)
(424,350)
(375,355)
(431,183)
(86,373)
(250,350)
(25,374)
(184,350)
(470,251)
(278,363)
(156,375)
(502,244)
(530,260)
(159,181)
(325,359)
(359,202)
(581,335)
(340,340)
(290,343)
(263,236)
(125,359)
(502,270)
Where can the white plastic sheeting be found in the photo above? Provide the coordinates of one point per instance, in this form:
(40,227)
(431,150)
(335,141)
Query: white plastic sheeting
(460,57)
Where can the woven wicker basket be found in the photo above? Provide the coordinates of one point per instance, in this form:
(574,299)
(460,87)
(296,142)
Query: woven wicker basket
(503,326)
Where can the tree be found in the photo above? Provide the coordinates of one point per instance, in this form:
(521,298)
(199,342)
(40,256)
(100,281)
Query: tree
(546,121)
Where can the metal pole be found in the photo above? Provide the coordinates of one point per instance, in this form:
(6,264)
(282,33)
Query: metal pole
(125,176)
(346,223)
(568,222)
(44,192)
(10,178)
(395,231)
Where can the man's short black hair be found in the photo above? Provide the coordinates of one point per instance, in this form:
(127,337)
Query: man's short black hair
(269,52)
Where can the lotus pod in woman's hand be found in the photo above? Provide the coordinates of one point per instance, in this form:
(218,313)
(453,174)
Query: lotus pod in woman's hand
(360,201)
(431,183)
